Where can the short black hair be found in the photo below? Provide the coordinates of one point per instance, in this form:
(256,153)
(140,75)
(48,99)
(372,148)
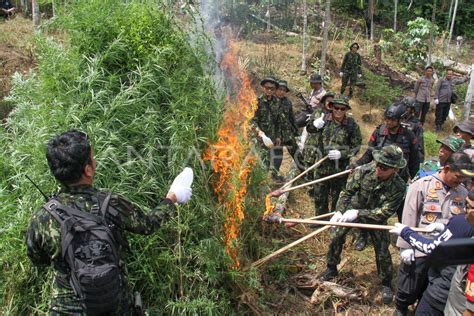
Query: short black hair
(429,67)
(68,154)
(459,160)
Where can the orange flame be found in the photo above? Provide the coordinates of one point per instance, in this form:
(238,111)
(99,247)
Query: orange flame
(230,155)
(268,205)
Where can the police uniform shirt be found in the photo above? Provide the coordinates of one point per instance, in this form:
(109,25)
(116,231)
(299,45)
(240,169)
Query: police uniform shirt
(429,200)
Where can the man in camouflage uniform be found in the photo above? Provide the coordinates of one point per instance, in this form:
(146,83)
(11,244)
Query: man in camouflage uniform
(267,123)
(71,160)
(412,123)
(392,132)
(448,146)
(372,195)
(431,199)
(287,122)
(338,136)
(465,131)
(351,69)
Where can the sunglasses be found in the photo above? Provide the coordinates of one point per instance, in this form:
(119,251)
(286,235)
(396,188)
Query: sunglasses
(337,108)
(271,88)
(382,167)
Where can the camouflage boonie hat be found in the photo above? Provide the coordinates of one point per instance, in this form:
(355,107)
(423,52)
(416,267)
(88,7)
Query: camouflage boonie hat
(466,127)
(391,156)
(327,95)
(342,102)
(269,79)
(283,83)
(452,142)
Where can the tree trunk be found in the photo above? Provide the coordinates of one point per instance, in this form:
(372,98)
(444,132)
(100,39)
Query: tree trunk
(36,12)
(449,15)
(395,16)
(469,95)
(371,13)
(305,36)
(433,20)
(327,21)
(452,24)
(24,4)
(268,16)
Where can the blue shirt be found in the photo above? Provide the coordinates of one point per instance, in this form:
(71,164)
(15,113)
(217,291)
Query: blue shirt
(457,227)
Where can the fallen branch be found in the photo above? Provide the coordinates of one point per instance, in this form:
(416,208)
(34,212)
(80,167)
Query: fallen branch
(338,290)
(352,225)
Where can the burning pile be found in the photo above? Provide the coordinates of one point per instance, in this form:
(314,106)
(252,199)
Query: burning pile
(230,155)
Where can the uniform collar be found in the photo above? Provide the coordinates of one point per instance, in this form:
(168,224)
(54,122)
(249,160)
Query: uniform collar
(330,118)
(78,189)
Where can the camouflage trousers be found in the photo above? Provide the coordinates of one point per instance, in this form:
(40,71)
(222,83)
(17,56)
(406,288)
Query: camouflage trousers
(380,240)
(326,191)
(65,302)
(351,79)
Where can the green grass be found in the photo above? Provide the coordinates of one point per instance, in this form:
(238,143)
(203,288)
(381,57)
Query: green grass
(127,75)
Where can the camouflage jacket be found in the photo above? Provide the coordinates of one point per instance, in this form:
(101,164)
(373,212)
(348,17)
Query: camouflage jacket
(404,138)
(287,120)
(267,117)
(43,237)
(376,200)
(345,137)
(352,64)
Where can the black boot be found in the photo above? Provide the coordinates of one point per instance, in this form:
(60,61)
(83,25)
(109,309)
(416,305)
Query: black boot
(361,242)
(387,294)
(329,274)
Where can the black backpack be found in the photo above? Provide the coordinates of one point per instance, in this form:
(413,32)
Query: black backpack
(89,248)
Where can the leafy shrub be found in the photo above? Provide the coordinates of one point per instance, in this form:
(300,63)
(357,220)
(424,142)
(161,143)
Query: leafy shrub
(378,91)
(431,146)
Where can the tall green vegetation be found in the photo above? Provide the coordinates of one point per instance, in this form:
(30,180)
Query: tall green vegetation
(126,74)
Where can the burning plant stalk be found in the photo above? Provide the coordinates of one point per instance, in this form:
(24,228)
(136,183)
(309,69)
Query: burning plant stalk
(230,155)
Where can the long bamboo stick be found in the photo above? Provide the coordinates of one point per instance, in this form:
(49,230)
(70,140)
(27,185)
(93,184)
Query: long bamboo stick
(353,225)
(319,162)
(280,192)
(296,242)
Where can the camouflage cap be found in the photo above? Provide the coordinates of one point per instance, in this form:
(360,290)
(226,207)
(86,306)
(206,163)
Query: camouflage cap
(391,156)
(283,83)
(315,78)
(269,79)
(467,127)
(452,142)
(342,102)
(355,45)
(327,95)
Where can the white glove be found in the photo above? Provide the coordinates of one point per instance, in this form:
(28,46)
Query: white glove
(435,227)
(349,216)
(319,122)
(334,154)
(436,101)
(267,141)
(181,186)
(359,75)
(336,217)
(407,256)
(398,229)
(341,74)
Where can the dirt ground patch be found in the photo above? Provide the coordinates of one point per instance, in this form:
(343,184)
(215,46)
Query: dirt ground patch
(16,54)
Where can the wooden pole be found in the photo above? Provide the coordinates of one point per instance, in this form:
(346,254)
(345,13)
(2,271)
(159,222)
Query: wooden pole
(287,247)
(351,225)
(317,181)
(319,162)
